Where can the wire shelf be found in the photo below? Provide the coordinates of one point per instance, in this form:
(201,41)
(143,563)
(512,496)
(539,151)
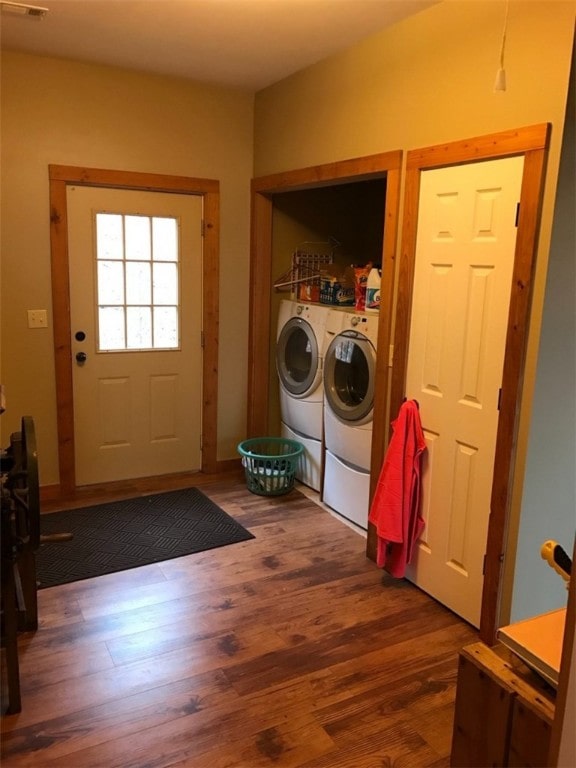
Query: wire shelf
(308,261)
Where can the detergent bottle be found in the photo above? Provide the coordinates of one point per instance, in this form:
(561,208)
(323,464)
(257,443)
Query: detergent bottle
(373,290)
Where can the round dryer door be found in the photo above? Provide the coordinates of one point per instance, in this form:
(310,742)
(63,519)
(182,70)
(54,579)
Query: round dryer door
(349,371)
(297,358)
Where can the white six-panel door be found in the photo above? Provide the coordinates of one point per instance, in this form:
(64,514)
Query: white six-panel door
(463,269)
(137,412)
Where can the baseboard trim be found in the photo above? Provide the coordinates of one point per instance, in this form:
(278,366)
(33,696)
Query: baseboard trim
(51,495)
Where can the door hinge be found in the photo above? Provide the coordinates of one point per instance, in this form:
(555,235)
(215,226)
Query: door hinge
(201,442)
(517,214)
(499,397)
(202,339)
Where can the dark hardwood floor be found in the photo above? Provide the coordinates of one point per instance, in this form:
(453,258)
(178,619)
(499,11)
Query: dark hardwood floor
(292,649)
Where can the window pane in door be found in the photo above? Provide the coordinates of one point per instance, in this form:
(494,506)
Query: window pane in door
(139,328)
(165,284)
(109,236)
(110,282)
(138,288)
(111,331)
(165,239)
(138,245)
(165,327)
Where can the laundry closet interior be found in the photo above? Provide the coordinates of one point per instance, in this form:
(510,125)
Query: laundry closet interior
(349,220)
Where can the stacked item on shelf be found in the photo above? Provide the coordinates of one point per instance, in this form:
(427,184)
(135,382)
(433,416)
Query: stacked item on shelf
(309,260)
(337,287)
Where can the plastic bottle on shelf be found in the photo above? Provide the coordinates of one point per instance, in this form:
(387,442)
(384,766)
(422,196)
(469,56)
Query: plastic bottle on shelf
(373,290)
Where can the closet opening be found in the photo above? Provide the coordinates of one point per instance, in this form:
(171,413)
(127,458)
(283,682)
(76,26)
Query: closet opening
(348,210)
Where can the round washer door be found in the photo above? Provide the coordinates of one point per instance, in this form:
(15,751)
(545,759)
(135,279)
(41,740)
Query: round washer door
(349,371)
(297,358)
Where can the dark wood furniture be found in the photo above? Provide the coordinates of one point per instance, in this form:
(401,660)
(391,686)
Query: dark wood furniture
(21,539)
(504,711)
(20,504)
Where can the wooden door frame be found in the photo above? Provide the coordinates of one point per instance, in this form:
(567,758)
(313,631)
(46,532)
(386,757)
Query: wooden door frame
(60,177)
(532,143)
(386,165)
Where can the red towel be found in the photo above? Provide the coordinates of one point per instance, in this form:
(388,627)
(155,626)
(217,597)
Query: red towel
(395,509)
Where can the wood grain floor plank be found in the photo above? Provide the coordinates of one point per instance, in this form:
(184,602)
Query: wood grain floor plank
(51,667)
(125,717)
(385,700)
(334,649)
(398,746)
(435,727)
(287,745)
(386,663)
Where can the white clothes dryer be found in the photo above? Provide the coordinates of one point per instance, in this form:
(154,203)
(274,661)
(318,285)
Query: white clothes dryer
(349,385)
(299,363)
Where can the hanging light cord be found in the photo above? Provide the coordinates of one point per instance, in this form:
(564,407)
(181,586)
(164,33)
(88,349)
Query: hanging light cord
(504,35)
(500,83)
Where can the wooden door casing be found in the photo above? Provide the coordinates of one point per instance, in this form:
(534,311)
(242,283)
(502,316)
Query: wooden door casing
(209,189)
(532,142)
(386,165)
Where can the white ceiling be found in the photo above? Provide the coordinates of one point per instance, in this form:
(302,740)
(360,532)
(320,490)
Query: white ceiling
(246,44)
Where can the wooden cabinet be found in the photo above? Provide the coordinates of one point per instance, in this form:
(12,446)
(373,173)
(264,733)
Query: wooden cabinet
(504,711)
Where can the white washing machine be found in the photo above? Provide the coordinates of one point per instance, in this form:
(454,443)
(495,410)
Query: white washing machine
(299,360)
(349,376)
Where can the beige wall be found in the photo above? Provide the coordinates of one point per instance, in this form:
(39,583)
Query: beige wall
(426,80)
(59,112)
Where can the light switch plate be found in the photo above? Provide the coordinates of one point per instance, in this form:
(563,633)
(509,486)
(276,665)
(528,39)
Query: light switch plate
(37,318)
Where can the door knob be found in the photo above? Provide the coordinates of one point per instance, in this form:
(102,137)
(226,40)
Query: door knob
(81,357)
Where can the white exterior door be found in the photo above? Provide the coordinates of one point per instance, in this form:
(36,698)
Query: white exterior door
(135,310)
(463,270)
